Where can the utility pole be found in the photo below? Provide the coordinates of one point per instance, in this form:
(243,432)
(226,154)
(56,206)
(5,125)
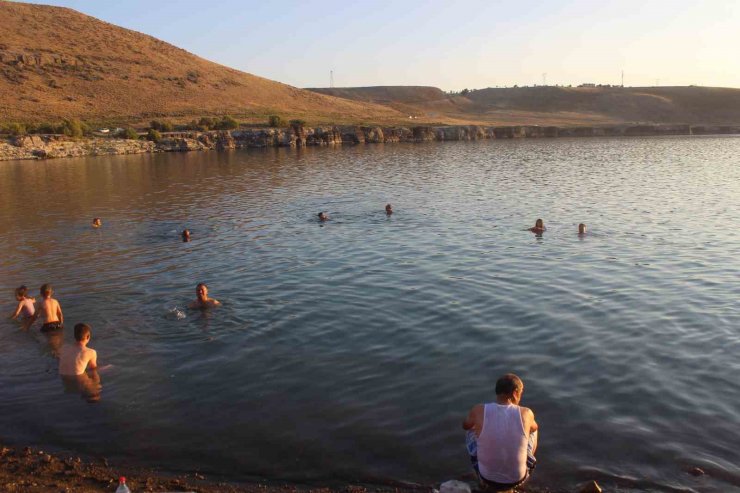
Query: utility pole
(622,78)
(544,78)
(331,79)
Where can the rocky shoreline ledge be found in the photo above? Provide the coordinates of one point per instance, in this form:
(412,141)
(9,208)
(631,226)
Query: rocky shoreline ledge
(57,146)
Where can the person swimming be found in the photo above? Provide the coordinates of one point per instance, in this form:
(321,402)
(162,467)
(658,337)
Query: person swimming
(26,305)
(388,209)
(581,229)
(185,235)
(203,301)
(323,216)
(539,227)
(96,222)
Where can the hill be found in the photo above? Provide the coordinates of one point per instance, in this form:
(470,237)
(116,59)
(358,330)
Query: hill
(550,105)
(56,63)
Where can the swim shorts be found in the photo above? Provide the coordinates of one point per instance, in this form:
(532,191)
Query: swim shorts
(52,327)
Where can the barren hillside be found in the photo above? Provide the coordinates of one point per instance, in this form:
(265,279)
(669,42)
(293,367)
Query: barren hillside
(550,105)
(56,62)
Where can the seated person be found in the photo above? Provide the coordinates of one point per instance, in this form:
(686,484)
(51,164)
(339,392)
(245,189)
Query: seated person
(203,301)
(75,359)
(502,437)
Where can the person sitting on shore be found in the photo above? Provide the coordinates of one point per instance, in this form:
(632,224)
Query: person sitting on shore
(581,229)
(185,235)
(97,222)
(539,227)
(502,437)
(26,307)
(77,358)
(50,309)
(323,216)
(388,209)
(203,301)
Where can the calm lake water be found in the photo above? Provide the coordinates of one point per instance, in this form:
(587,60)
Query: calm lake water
(351,351)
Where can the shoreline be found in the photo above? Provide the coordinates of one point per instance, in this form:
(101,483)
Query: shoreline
(34,470)
(34,147)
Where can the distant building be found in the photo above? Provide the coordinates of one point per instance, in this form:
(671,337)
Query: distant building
(587,84)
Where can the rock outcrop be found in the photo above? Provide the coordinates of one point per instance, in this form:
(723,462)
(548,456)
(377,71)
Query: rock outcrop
(53,146)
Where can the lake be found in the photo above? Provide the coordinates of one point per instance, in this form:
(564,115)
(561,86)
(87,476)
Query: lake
(351,351)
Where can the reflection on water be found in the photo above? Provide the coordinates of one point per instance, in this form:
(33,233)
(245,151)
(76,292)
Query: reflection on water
(353,350)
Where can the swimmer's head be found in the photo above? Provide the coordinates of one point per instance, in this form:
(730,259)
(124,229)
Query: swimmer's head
(46,290)
(21,292)
(185,235)
(388,209)
(201,291)
(539,224)
(581,229)
(323,216)
(97,222)
(82,332)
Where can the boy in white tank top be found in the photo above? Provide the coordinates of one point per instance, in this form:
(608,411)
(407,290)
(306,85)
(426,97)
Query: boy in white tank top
(502,436)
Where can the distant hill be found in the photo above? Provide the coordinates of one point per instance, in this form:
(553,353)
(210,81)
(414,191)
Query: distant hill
(56,62)
(549,105)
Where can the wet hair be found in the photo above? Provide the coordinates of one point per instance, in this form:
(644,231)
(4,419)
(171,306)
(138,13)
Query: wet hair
(507,384)
(539,223)
(46,289)
(81,330)
(320,214)
(201,285)
(21,291)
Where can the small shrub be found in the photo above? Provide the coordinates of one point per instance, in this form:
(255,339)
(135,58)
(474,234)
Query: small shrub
(130,133)
(153,135)
(72,128)
(298,123)
(206,123)
(15,129)
(161,126)
(226,123)
(275,121)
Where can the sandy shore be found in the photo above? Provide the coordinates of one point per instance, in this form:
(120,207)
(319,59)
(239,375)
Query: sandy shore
(29,470)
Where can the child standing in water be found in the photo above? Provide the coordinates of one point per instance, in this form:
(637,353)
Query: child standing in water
(50,309)
(74,359)
(25,308)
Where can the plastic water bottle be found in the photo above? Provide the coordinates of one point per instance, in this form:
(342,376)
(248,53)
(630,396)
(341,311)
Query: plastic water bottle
(122,488)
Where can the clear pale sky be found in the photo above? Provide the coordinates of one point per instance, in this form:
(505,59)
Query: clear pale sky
(448,44)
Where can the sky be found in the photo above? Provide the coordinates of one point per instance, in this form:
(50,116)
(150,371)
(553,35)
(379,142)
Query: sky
(448,44)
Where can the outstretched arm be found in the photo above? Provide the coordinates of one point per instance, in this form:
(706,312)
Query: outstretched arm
(17,311)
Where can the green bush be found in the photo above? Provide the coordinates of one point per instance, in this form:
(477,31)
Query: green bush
(15,129)
(206,123)
(153,135)
(226,123)
(161,126)
(130,133)
(298,123)
(275,121)
(73,128)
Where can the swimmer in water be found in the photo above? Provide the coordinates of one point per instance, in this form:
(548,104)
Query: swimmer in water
(50,309)
(25,308)
(323,216)
(186,235)
(97,222)
(77,358)
(203,301)
(581,229)
(539,227)
(388,209)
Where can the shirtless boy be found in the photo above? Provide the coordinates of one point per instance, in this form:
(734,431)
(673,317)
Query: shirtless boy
(203,301)
(74,359)
(26,307)
(51,311)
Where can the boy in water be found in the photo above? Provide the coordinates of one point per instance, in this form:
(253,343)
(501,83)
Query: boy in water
(50,309)
(388,209)
(185,235)
(75,359)
(25,308)
(97,222)
(323,216)
(581,229)
(203,301)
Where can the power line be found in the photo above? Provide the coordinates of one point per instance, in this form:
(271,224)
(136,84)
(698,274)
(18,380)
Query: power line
(331,78)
